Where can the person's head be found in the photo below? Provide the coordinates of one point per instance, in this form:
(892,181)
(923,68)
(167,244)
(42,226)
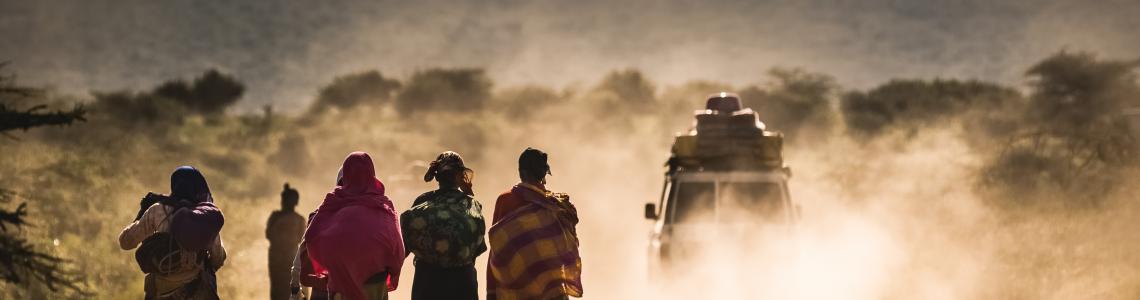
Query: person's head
(289,198)
(187,183)
(358,174)
(533,167)
(448,169)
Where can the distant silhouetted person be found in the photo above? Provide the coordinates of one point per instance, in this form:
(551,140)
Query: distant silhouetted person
(533,241)
(445,228)
(284,230)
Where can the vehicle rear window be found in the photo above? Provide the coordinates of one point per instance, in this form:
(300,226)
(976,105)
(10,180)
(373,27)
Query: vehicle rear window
(694,202)
(750,202)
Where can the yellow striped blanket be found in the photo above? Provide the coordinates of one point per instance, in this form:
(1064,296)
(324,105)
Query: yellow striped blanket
(534,250)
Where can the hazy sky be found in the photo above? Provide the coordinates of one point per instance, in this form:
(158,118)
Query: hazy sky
(285,50)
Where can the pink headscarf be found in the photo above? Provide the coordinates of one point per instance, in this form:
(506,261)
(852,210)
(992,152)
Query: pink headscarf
(355,233)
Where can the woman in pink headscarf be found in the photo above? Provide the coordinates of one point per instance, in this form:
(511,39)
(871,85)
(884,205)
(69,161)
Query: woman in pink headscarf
(355,236)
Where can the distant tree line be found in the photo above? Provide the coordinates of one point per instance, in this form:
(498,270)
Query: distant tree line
(1067,138)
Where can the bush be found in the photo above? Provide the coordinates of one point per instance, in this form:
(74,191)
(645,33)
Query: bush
(1073,143)
(210,94)
(449,90)
(348,91)
(912,104)
(794,102)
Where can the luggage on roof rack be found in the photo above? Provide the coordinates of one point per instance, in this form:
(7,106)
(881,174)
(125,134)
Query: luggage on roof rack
(712,122)
(726,136)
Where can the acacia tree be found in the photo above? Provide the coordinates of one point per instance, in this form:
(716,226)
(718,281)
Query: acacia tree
(451,90)
(912,104)
(795,102)
(348,91)
(1075,142)
(209,94)
(20,261)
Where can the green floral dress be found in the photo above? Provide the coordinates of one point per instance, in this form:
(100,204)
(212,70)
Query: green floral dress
(444,228)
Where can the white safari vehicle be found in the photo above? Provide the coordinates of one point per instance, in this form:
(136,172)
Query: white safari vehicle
(725,178)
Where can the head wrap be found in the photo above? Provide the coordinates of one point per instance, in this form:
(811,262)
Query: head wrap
(359,176)
(187,183)
(446,162)
(355,233)
(446,166)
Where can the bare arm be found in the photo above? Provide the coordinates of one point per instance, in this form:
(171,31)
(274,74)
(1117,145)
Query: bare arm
(295,272)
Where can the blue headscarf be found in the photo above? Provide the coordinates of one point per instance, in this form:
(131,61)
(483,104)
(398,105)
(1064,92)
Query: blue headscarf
(187,183)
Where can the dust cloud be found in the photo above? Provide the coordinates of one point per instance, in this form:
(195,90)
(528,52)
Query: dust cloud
(1014,181)
(911,209)
(285,50)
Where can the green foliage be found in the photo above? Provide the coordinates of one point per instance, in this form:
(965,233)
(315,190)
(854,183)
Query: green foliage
(522,103)
(1073,141)
(796,102)
(170,102)
(138,108)
(1075,92)
(445,90)
(21,262)
(912,104)
(24,119)
(35,117)
(348,91)
(212,93)
(620,95)
(631,89)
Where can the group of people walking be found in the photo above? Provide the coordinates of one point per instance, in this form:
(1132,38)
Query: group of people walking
(354,244)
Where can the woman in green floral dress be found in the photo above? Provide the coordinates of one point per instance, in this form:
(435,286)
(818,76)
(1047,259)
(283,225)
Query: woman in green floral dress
(444,229)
